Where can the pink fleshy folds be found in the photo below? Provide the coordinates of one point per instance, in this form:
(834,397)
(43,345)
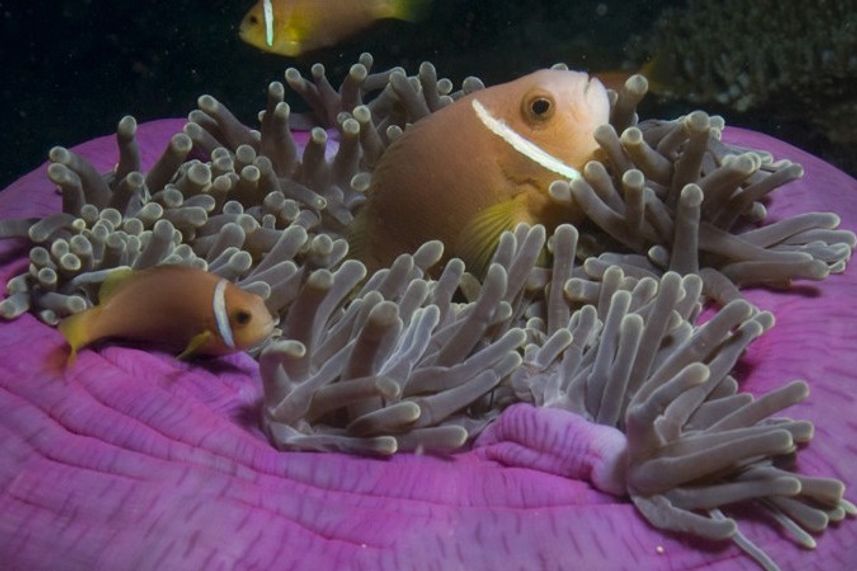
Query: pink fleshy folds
(136,461)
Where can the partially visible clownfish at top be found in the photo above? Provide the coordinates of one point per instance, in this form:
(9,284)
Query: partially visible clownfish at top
(186,309)
(294,27)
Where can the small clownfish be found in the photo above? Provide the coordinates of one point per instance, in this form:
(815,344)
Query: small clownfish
(181,307)
(479,166)
(294,27)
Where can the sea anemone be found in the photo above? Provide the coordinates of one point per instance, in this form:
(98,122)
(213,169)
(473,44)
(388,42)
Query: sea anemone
(400,360)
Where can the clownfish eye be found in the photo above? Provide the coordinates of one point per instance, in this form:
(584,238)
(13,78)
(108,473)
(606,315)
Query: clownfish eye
(539,107)
(242,317)
(254,20)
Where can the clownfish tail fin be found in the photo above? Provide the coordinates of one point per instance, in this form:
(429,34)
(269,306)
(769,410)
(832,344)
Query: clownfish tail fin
(409,10)
(76,330)
(113,282)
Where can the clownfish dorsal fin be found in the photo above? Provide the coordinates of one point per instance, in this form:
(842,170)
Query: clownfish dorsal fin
(358,236)
(478,240)
(195,344)
(112,282)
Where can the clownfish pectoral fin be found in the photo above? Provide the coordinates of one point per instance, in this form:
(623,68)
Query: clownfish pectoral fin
(195,344)
(358,235)
(112,282)
(478,240)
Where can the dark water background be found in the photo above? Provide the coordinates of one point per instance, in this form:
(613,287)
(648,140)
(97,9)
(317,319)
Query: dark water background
(72,69)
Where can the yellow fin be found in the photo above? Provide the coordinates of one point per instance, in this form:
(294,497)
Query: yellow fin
(478,240)
(114,279)
(75,329)
(195,344)
(358,235)
(409,10)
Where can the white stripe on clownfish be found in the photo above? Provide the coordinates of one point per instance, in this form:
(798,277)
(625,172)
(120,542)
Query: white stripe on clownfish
(268,10)
(220,314)
(522,145)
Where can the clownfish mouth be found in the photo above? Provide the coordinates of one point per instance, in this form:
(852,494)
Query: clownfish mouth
(523,145)
(267,331)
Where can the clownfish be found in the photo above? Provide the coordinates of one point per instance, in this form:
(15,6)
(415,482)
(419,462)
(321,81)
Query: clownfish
(185,308)
(293,27)
(480,166)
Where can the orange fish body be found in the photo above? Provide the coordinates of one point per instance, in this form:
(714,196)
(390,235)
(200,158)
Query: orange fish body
(177,306)
(294,27)
(614,79)
(480,166)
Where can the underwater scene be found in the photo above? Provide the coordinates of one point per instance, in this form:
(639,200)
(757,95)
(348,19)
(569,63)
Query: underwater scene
(428,285)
